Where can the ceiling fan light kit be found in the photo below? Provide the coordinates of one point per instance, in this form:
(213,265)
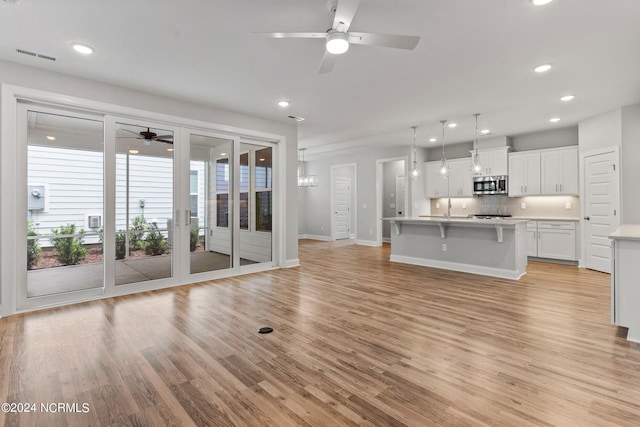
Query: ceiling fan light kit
(337,42)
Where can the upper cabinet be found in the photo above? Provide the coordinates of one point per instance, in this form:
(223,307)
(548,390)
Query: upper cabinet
(544,172)
(460,178)
(436,185)
(494,161)
(458,183)
(559,171)
(524,173)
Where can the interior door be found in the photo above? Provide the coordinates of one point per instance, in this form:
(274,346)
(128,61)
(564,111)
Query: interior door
(601,215)
(342,201)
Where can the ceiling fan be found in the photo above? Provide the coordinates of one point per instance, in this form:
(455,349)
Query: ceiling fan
(149,136)
(338,37)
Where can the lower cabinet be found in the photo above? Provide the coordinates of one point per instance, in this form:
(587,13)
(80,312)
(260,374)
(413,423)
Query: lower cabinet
(552,239)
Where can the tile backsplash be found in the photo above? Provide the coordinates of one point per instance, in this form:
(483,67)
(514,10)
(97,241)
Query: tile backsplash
(532,206)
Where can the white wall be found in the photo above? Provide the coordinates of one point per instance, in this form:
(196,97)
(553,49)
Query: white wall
(317,200)
(630,170)
(604,130)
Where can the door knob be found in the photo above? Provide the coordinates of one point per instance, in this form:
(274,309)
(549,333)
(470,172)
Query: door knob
(587,218)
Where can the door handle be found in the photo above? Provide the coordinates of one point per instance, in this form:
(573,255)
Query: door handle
(587,218)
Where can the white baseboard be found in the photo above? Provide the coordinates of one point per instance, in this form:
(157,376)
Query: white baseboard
(292,263)
(466,268)
(353,236)
(367,243)
(386,239)
(314,237)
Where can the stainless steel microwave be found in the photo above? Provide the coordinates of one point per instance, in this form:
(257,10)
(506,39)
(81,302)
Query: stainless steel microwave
(490,185)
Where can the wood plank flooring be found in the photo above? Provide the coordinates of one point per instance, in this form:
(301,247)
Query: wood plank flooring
(358,341)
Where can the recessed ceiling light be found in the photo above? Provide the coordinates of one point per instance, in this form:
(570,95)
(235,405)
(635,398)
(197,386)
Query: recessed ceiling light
(542,68)
(283,103)
(133,151)
(540,2)
(82,48)
(433,140)
(452,125)
(223,154)
(555,120)
(296,118)
(567,98)
(261,159)
(51,138)
(485,131)
(169,149)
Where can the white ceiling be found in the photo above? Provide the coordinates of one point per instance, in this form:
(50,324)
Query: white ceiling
(473,56)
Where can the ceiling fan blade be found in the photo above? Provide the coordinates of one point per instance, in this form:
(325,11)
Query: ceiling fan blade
(164,140)
(345,12)
(291,35)
(384,40)
(326,65)
(130,131)
(164,137)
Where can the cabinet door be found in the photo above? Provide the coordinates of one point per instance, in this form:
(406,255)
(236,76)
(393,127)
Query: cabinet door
(568,173)
(557,243)
(436,186)
(524,174)
(498,162)
(532,238)
(460,178)
(549,168)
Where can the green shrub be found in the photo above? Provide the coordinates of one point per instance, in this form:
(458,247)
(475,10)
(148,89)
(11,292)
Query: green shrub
(155,243)
(194,239)
(68,250)
(121,244)
(137,230)
(33,247)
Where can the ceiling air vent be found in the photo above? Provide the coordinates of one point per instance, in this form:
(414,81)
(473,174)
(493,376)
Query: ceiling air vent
(35,55)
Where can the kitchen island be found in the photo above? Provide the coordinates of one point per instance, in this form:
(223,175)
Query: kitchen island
(491,247)
(625,291)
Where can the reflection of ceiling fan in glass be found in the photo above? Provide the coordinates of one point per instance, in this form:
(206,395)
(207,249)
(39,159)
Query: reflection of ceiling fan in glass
(149,136)
(338,37)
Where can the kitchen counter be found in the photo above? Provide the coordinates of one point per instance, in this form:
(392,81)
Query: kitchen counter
(493,247)
(626,232)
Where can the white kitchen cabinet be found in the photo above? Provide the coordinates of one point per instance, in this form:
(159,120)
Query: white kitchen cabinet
(460,178)
(559,171)
(557,240)
(436,186)
(532,238)
(524,173)
(494,161)
(552,239)
(625,292)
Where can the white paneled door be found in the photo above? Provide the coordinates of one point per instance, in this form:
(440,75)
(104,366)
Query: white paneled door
(342,201)
(601,214)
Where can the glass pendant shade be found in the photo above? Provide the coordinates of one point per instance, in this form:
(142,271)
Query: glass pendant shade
(476,167)
(415,170)
(444,165)
(305,180)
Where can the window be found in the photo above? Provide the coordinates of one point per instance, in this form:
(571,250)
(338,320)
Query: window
(193,193)
(244,191)
(222,192)
(263,182)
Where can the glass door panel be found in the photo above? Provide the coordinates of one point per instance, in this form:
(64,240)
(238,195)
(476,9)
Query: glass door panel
(144,222)
(256,204)
(210,203)
(65,203)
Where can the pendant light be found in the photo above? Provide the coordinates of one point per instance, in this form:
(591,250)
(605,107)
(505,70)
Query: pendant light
(476,167)
(415,171)
(305,180)
(444,165)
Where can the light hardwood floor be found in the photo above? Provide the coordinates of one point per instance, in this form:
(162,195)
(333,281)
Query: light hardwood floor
(357,341)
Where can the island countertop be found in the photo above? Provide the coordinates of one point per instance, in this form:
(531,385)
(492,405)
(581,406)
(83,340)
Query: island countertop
(456,220)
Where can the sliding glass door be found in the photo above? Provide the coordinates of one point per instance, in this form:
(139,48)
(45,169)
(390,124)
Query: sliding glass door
(64,202)
(144,203)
